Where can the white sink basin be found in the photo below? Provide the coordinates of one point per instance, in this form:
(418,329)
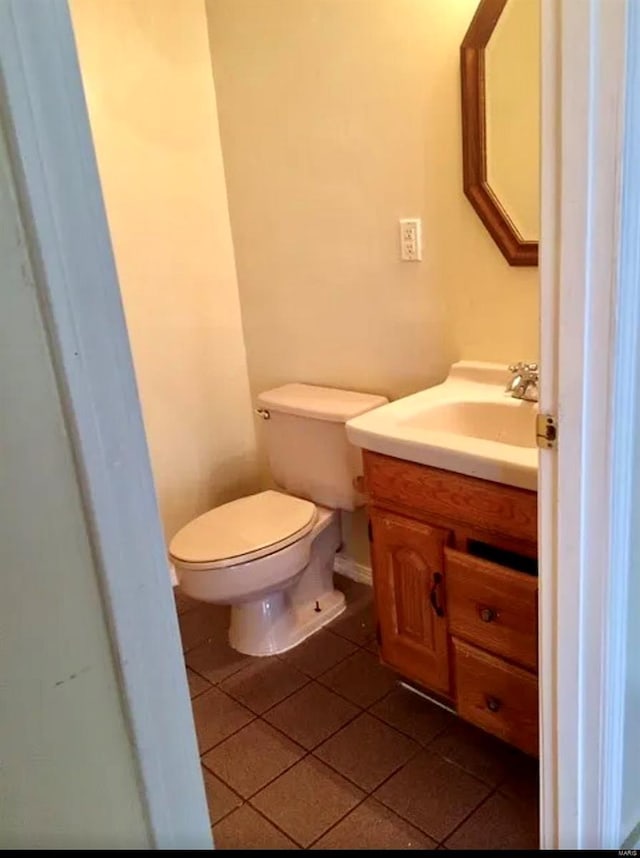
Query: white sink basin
(467,424)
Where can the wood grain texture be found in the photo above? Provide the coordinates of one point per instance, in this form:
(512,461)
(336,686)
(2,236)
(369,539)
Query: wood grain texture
(515,249)
(422,492)
(408,557)
(493,607)
(497,696)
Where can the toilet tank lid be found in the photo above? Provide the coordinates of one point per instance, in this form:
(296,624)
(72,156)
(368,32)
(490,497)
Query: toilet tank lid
(322,403)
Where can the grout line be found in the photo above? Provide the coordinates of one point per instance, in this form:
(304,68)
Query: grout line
(424,746)
(275,825)
(264,785)
(219,681)
(415,824)
(355,783)
(371,794)
(322,741)
(468,816)
(273,705)
(200,693)
(230,696)
(255,810)
(215,744)
(338,821)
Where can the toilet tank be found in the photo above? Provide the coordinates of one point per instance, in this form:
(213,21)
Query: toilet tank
(306,441)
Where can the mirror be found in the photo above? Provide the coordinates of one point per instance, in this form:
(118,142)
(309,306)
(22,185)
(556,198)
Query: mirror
(500,76)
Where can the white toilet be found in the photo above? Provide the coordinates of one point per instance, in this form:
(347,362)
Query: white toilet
(270,555)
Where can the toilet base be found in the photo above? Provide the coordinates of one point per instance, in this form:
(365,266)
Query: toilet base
(272,625)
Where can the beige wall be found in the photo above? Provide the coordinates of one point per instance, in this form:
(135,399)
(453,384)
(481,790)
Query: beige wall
(148,81)
(337,118)
(68,777)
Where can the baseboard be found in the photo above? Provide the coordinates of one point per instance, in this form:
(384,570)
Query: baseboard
(173,576)
(348,567)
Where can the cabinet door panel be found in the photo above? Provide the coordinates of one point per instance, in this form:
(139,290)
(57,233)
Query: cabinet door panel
(408,577)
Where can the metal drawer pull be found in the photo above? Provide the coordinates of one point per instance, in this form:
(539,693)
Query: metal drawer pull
(493,704)
(433,595)
(487,615)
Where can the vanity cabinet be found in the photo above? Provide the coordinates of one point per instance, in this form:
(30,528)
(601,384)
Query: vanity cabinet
(409,581)
(455,581)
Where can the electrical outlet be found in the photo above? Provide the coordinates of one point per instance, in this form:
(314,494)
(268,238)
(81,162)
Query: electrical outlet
(411,239)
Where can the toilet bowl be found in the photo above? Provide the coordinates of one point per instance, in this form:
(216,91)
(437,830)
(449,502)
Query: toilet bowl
(280,587)
(270,555)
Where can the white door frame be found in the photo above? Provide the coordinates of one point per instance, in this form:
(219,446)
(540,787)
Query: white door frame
(583,521)
(42,108)
(589,350)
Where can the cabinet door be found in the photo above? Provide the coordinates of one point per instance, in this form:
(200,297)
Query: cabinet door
(408,578)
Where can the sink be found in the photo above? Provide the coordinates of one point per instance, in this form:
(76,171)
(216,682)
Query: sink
(489,421)
(466,424)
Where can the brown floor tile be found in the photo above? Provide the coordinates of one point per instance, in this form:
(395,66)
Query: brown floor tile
(432,794)
(252,757)
(372,646)
(184,603)
(358,625)
(355,592)
(216,660)
(196,684)
(217,716)
(413,715)
(373,826)
(263,683)
(220,799)
(246,829)
(306,800)
(500,823)
(360,678)
(476,751)
(311,715)
(367,751)
(203,623)
(523,780)
(319,653)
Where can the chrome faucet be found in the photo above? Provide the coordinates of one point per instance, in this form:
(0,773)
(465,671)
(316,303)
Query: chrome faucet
(524,383)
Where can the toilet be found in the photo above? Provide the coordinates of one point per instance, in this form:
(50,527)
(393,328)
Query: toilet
(270,555)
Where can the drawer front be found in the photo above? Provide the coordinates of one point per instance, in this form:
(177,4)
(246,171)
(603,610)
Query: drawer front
(497,696)
(494,607)
(421,490)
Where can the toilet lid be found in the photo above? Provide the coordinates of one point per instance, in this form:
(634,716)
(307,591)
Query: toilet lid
(244,529)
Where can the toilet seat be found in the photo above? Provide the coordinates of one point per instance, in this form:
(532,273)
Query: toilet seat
(243,530)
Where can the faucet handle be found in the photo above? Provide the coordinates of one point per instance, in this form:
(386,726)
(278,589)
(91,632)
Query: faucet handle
(523,367)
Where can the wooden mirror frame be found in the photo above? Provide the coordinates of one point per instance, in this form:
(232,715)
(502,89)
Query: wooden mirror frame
(514,248)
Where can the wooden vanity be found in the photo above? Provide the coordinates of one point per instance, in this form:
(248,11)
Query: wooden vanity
(455,582)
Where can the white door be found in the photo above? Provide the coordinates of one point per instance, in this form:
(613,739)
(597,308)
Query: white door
(589,276)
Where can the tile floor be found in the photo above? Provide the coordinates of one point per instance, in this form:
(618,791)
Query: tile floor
(320,748)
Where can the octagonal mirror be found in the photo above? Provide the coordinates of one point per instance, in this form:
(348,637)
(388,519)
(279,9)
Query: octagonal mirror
(500,76)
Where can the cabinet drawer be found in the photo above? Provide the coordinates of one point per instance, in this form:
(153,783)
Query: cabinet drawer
(494,607)
(497,696)
(423,491)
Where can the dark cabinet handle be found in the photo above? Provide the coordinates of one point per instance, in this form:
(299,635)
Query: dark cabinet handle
(435,593)
(493,704)
(487,615)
